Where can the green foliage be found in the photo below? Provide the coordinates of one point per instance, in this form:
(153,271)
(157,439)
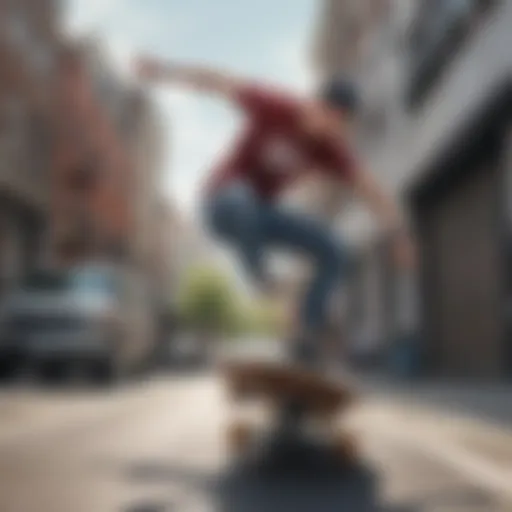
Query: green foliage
(210,301)
(260,318)
(207,300)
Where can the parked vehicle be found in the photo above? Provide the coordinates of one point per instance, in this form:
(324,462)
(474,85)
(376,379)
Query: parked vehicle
(99,318)
(189,349)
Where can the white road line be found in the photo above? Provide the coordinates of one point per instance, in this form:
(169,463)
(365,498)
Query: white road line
(51,417)
(475,469)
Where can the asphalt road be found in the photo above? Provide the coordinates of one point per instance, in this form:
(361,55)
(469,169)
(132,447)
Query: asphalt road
(158,446)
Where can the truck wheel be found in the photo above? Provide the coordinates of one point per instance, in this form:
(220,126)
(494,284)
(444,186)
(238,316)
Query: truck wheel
(103,372)
(9,368)
(53,371)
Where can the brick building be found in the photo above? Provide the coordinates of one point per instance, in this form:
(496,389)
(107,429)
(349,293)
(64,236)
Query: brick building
(91,185)
(436,77)
(29,35)
(81,151)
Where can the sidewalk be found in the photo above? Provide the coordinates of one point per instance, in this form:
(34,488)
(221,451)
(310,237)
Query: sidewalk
(472,422)
(485,402)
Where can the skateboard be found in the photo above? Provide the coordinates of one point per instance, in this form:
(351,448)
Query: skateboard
(305,411)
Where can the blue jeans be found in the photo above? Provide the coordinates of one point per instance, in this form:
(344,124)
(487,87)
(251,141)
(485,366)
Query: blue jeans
(239,216)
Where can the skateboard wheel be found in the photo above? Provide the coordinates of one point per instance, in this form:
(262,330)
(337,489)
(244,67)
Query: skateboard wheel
(240,390)
(233,390)
(347,447)
(239,436)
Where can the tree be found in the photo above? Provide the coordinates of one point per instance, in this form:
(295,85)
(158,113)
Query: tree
(261,317)
(208,300)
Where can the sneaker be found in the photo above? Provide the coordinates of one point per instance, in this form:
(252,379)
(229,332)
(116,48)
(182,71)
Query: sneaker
(306,352)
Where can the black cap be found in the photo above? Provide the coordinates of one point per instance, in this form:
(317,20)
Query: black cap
(341,92)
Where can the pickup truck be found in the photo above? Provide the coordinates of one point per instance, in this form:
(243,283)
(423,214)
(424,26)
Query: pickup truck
(98,318)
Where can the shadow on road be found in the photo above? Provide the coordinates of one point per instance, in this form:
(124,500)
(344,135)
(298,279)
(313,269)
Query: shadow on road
(237,490)
(459,498)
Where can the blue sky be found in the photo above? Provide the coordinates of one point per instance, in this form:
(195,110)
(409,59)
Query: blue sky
(266,39)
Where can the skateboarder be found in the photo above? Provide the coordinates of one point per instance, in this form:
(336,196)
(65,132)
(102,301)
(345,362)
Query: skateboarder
(285,138)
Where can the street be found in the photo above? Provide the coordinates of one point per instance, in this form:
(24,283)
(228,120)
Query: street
(183,181)
(157,446)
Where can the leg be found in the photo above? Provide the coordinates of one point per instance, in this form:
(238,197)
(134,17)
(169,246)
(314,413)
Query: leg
(304,235)
(234,214)
(301,234)
(238,215)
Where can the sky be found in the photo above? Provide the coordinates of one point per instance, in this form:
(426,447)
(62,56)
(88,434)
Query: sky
(264,39)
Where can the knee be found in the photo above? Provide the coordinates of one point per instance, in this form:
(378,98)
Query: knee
(333,258)
(232,212)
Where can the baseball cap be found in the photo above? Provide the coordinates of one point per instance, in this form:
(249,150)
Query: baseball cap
(341,92)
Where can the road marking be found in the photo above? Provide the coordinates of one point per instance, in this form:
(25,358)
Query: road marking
(476,469)
(49,417)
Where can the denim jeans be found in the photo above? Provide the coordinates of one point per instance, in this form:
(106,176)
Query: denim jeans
(237,215)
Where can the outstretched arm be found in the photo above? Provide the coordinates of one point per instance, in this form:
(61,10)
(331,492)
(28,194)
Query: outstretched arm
(368,189)
(388,213)
(210,81)
(385,209)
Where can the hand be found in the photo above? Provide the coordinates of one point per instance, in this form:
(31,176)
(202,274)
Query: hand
(269,288)
(287,317)
(283,306)
(404,251)
(149,69)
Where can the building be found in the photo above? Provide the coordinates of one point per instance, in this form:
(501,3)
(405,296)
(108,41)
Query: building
(143,137)
(165,254)
(109,169)
(341,34)
(437,80)
(152,241)
(29,39)
(91,187)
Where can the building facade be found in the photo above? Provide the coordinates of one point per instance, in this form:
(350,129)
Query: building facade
(29,40)
(436,81)
(143,137)
(81,153)
(91,209)
(165,254)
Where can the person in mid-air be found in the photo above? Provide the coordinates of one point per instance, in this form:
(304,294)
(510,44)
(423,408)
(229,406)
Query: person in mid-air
(284,139)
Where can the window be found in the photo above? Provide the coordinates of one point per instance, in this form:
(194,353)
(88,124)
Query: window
(42,60)
(46,281)
(17,27)
(116,247)
(40,146)
(14,133)
(438,31)
(94,281)
(85,176)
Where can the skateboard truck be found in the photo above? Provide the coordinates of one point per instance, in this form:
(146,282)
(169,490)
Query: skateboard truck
(306,354)
(298,393)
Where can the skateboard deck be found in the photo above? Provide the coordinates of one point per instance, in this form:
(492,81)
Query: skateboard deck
(276,383)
